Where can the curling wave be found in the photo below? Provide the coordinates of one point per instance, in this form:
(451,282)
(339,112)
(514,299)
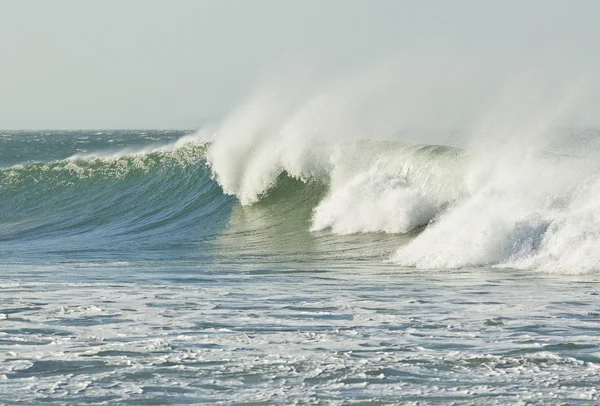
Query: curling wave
(132,194)
(507,207)
(458,208)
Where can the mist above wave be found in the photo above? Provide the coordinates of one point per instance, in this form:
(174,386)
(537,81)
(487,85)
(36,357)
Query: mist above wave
(511,196)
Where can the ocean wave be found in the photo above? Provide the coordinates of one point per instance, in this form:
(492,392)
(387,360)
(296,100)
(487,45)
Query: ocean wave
(505,208)
(513,206)
(122,194)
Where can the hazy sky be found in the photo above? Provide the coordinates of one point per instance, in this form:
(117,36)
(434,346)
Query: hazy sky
(176,63)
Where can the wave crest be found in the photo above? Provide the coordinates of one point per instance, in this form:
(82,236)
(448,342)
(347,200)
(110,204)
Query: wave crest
(511,207)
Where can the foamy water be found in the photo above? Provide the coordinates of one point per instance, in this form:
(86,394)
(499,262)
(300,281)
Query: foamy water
(293,333)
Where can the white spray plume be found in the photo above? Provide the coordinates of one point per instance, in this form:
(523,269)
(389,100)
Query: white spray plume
(509,198)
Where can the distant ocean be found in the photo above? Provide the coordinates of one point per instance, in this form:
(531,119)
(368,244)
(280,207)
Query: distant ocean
(171,267)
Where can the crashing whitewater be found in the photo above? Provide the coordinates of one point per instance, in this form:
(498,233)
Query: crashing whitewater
(520,192)
(505,208)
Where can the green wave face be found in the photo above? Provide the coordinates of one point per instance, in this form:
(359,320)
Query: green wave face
(107,203)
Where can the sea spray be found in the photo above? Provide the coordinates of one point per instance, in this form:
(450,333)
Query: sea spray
(507,198)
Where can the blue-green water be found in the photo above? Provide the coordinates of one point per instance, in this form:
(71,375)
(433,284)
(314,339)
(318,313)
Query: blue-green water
(129,277)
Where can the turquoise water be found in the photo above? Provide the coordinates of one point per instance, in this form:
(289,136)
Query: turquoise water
(129,277)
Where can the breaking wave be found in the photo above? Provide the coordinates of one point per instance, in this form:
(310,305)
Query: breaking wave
(506,208)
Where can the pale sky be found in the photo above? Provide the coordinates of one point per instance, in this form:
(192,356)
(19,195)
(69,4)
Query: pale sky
(176,63)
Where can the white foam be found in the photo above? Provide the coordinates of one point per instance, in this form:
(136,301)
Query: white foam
(360,339)
(509,204)
(373,201)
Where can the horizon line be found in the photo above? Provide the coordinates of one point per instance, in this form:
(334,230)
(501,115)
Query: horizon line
(100,129)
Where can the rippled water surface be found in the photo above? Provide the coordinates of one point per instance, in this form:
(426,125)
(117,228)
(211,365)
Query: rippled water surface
(177,333)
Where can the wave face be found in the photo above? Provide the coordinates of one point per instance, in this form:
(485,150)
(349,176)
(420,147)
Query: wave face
(108,202)
(173,195)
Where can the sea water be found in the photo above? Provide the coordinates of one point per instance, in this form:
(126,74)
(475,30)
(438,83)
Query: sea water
(166,267)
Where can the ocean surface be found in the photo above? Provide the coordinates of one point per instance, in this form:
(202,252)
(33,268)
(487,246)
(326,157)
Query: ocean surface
(171,267)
